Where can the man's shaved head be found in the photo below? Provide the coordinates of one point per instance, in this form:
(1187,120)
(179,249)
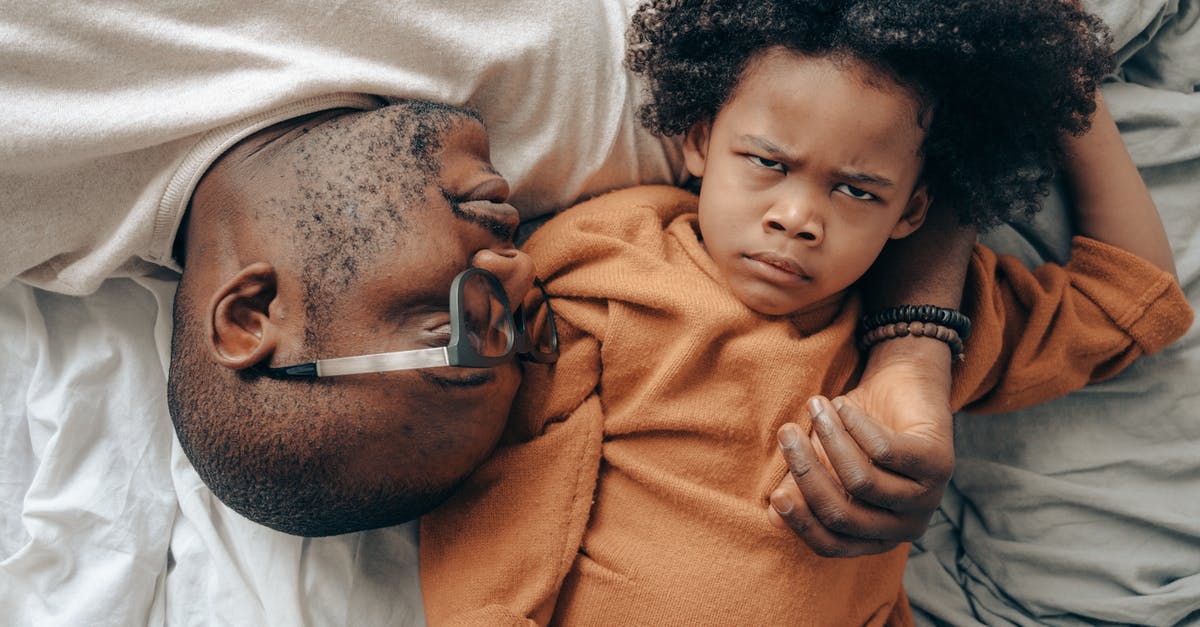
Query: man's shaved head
(294,232)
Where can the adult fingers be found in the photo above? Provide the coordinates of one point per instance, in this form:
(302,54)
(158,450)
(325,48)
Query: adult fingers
(789,510)
(922,457)
(829,504)
(855,467)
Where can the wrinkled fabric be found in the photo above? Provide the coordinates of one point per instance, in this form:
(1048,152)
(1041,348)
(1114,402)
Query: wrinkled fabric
(1085,510)
(109,114)
(86,504)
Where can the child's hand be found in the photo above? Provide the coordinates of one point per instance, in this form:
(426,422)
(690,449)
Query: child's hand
(858,486)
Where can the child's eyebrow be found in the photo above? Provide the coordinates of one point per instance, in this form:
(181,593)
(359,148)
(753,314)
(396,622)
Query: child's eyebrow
(865,178)
(773,150)
(778,153)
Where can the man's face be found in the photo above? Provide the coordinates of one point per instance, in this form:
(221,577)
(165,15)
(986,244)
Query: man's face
(436,423)
(807,171)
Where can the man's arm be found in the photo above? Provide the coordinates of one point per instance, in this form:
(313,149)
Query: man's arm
(889,441)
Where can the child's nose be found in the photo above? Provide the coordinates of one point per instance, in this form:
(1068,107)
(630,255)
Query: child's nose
(796,218)
(513,267)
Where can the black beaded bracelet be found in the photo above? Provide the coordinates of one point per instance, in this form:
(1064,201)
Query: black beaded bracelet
(916,329)
(949,318)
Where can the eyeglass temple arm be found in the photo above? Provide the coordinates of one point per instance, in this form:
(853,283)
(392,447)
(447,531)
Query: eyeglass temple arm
(384,362)
(361,364)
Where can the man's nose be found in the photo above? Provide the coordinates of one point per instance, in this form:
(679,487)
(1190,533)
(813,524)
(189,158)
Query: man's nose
(513,267)
(799,216)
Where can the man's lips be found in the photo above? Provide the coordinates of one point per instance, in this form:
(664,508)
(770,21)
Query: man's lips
(783,264)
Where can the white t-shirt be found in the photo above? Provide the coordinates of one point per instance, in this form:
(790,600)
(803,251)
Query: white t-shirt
(109,116)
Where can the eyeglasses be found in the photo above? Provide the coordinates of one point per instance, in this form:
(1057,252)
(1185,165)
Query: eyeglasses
(484,332)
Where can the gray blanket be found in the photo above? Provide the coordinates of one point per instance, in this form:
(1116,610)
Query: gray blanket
(1086,510)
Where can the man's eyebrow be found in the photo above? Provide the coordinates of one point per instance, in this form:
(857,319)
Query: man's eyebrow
(414,303)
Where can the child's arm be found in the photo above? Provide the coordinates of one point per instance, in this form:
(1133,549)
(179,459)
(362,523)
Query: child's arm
(1112,204)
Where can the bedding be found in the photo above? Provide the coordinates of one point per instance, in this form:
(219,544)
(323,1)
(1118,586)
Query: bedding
(1086,510)
(106,124)
(1078,512)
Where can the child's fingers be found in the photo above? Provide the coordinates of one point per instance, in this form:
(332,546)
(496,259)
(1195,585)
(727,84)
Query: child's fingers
(859,476)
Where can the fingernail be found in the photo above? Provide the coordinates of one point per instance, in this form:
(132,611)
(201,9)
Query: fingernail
(838,403)
(815,407)
(788,436)
(782,504)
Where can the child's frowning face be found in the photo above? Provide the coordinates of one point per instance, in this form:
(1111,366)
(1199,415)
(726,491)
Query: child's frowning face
(808,169)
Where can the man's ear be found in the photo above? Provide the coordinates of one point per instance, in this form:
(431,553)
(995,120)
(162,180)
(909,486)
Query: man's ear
(695,147)
(241,332)
(914,213)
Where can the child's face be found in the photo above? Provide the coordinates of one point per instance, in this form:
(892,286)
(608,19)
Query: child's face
(808,170)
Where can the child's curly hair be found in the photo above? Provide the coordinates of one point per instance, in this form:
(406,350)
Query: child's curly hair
(1003,78)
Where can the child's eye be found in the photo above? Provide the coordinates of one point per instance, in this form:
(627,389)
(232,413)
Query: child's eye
(855,192)
(766,163)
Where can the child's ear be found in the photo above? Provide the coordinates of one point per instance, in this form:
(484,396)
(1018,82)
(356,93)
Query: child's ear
(914,213)
(241,332)
(695,147)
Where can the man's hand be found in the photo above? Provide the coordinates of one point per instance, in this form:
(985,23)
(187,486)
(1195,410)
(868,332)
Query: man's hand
(878,460)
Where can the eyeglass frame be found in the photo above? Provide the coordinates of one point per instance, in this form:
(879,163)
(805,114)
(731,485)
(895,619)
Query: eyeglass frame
(458,352)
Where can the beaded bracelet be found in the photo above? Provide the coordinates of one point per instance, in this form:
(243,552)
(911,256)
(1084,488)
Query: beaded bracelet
(918,313)
(918,329)
(939,323)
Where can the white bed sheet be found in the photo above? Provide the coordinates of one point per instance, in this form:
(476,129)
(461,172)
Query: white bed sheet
(87,500)
(102,521)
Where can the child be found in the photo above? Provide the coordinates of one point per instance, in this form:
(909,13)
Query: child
(640,466)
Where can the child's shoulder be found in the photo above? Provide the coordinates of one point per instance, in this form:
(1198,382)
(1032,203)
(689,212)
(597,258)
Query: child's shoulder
(620,229)
(630,215)
(655,205)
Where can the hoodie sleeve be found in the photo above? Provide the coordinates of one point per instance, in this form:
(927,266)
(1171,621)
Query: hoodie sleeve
(1042,333)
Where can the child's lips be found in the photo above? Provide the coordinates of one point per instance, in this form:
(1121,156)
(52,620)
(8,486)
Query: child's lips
(781,264)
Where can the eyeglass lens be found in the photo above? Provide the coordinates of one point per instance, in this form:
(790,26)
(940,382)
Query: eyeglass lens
(489,327)
(537,322)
